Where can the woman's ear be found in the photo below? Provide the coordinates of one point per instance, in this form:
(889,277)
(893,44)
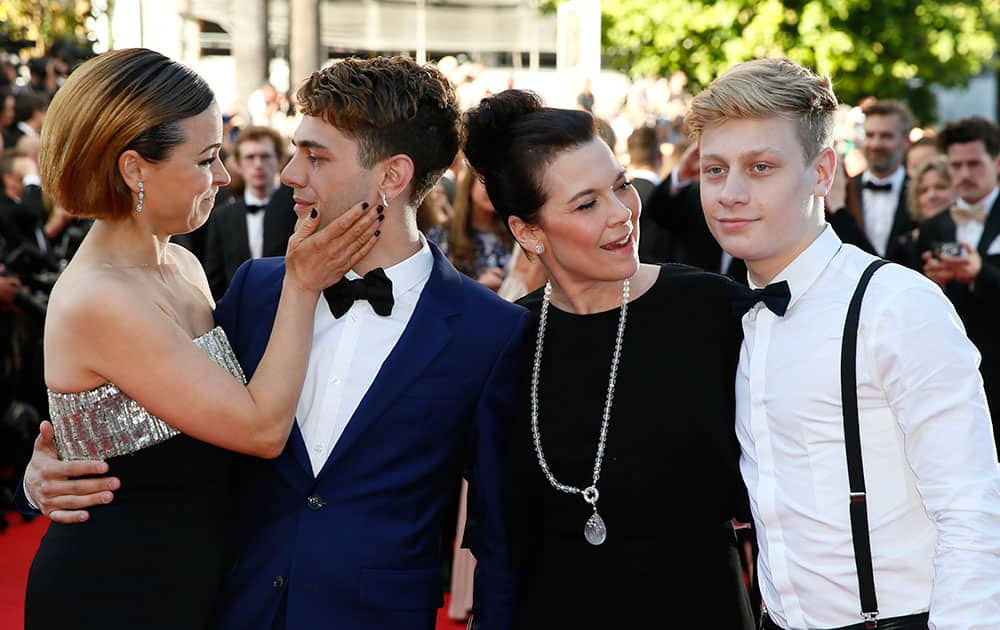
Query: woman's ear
(398,174)
(528,236)
(130,165)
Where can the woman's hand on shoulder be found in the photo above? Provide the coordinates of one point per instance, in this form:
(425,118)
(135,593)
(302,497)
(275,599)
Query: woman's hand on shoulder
(317,258)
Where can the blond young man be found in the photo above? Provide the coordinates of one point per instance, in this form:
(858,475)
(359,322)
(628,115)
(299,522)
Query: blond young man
(929,499)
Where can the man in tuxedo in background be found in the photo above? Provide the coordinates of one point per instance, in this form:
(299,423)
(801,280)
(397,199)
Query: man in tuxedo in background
(260,222)
(876,199)
(22,212)
(412,381)
(644,166)
(970,275)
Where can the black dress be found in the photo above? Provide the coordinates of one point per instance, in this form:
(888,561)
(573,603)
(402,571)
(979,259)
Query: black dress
(669,485)
(154,557)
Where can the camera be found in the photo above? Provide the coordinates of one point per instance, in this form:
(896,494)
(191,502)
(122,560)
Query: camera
(951,249)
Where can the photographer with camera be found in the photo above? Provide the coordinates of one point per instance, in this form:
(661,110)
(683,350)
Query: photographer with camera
(961,248)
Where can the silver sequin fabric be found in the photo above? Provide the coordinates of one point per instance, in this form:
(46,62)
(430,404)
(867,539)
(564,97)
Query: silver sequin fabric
(104,422)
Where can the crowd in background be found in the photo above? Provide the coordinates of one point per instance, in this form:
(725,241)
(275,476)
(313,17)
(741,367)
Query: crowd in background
(908,193)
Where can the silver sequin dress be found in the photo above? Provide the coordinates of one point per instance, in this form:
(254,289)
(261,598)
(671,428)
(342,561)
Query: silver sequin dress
(153,558)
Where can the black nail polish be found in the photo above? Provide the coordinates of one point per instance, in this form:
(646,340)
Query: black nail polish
(379,209)
(313,213)
(364,205)
(377,232)
(381,217)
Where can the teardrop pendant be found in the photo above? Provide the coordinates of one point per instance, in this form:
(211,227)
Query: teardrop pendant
(595,531)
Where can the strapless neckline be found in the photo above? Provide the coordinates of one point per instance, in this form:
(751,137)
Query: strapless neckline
(104,422)
(213,331)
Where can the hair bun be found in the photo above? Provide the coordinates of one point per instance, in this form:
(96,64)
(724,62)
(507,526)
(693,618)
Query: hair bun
(488,126)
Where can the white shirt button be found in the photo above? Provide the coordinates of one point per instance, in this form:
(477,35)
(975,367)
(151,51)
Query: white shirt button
(336,380)
(318,448)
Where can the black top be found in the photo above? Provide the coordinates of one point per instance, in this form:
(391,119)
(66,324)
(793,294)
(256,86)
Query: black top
(670,482)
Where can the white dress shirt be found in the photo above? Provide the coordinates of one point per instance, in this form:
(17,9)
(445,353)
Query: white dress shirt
(933,488)
(348,352)
(255,224)
(880,208)
(971,231)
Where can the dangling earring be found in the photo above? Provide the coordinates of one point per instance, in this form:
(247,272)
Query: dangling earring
(539,249)
(385,200)
(142,193)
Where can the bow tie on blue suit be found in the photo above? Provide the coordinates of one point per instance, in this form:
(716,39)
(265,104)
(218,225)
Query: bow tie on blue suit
(375,288)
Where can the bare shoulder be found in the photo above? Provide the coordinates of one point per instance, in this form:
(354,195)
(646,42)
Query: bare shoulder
(86,296)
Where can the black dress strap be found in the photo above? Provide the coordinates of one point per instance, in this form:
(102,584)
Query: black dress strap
(852,442)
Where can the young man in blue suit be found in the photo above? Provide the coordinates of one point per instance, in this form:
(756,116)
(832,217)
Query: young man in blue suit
(411,381)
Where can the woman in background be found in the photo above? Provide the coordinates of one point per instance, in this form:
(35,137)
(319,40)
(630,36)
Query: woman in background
(928,193)
(475,239)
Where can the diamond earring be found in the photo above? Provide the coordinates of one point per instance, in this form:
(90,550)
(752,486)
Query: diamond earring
(385,200)
(539,249)
(142,193)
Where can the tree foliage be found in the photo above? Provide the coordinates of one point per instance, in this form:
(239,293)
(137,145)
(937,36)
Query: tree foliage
(47,22)
(886,48)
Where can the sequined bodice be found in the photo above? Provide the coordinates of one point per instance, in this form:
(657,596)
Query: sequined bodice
(103,422)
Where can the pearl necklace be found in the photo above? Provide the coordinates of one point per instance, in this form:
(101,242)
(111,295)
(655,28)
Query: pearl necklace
(595,531)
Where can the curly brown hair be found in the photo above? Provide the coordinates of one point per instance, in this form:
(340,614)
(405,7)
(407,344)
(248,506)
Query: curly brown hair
(389,106)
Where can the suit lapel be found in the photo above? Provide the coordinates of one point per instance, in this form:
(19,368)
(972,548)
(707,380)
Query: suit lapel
(238,229)
(992,228)
(294,462)
(279,222)
(425,336)
(854,206)
(902,222)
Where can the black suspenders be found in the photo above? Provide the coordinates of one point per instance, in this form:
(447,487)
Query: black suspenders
(852,443)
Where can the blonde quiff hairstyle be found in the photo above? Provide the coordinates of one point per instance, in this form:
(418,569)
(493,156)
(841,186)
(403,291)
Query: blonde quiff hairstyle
(765,88)
(129,99)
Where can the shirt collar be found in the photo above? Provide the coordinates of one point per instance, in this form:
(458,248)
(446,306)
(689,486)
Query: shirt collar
(27,129)
(896,179)
(645,173)
(252,200)
(802,272)
(407,273)
(987,201)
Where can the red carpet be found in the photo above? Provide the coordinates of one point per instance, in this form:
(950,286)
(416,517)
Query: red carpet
(17,548)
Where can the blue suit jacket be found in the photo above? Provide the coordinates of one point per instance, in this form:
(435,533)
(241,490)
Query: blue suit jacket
(358,546)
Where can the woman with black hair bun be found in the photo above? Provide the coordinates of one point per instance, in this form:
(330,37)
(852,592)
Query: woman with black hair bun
(623,464)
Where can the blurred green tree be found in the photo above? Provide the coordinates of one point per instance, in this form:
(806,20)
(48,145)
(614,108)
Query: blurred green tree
(48,23)
(885,48)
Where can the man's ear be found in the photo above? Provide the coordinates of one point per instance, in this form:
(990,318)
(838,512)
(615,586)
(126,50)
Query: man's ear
(826,168)
(130,167)
(397,175)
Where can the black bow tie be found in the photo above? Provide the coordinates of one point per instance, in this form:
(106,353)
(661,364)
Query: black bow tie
(872,186)
(375,287)
(253,208)
(775,296)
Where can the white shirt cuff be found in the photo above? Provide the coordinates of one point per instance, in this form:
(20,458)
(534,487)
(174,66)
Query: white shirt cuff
(27,496)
